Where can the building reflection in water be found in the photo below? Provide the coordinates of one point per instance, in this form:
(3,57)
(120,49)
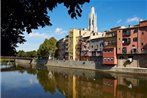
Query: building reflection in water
(73,84)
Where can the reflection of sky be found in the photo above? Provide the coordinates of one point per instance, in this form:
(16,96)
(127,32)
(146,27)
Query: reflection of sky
(23,85)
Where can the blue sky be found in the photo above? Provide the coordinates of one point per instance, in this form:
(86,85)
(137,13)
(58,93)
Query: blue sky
(110,13)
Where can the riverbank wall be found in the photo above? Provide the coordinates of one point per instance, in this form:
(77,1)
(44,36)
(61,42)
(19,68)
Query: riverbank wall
(23,62)
(88,65)
(73,64)
(95,66)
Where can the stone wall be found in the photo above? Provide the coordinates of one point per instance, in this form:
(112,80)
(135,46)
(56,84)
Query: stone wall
(23,62)
(73,64)
(138,61)
(129,70)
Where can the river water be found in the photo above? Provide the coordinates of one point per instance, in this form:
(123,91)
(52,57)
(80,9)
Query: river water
(70,83)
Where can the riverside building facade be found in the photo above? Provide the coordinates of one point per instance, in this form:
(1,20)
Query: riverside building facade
(120,46)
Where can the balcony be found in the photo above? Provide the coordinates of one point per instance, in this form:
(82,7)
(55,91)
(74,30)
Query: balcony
(93,53)
(126,33)
(126,41)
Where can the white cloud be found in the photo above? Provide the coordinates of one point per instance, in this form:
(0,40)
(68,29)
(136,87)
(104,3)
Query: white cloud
(59,31)
(38,35)
(119,21)
(133,19)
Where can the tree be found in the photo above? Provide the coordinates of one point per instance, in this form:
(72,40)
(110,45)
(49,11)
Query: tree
(21,53)
(31,53)
(24,15)
(48,47)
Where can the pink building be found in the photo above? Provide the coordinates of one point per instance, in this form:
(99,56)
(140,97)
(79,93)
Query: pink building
(126,46)
(132,40)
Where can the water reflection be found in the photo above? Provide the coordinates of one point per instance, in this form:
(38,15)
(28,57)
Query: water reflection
(73,83)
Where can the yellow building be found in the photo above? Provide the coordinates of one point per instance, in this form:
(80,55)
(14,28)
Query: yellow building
(73,40)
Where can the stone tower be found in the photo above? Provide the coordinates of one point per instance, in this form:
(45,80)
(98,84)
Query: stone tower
(92,21)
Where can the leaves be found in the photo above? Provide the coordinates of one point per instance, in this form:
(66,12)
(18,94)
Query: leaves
(24,15)
(22,53)
(48,47)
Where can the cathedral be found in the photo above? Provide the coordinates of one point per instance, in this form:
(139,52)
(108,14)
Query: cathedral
(92,21)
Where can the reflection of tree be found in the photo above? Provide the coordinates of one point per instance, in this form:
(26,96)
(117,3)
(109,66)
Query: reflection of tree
(48,84)
(64,84)
(31,71)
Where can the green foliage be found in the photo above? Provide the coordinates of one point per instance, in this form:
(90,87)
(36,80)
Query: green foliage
(48,47)
(20,16)
(31,53)
(21,53)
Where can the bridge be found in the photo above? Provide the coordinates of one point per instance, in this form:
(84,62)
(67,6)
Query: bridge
(15,57)
(22,61)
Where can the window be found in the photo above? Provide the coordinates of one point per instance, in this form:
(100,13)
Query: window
(91,46)
(119,38)
(142,44)
(126,41)
(124,50)
(135,30)
(111,59)
(126,32)
(142,33)
(133,51)
(121,57)
(133,45)
(93,53)
(135,39)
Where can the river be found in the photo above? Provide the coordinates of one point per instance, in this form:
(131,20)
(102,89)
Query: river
(69,83)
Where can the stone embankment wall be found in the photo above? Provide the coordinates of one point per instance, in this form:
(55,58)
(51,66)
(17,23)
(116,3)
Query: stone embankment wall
(138,61)
(128,70)
(73,64)
(23,62)
(91,65)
